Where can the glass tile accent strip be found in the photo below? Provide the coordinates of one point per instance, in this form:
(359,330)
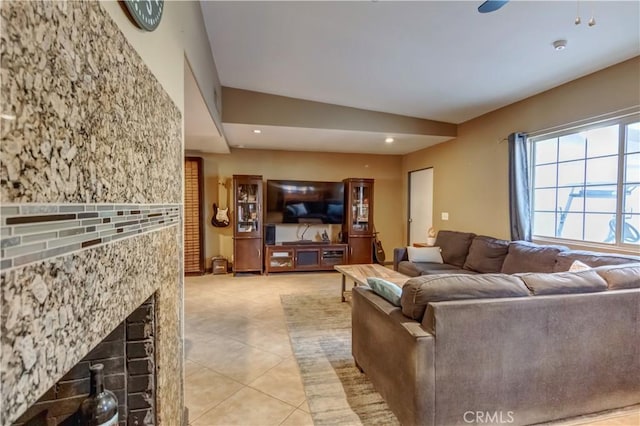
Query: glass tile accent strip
(33,232)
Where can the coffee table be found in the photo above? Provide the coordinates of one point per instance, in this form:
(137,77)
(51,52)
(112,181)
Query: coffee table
(359,273)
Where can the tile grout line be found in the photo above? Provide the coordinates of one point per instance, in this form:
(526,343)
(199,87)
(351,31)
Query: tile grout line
(216,405)
(286,418)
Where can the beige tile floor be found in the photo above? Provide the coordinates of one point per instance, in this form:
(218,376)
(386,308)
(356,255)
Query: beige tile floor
(240,369)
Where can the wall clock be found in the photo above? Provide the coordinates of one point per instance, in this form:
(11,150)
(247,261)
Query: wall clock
(145,13)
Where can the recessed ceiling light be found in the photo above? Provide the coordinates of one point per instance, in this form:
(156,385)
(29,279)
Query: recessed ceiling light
(389,140)
(560,44)
(257,131)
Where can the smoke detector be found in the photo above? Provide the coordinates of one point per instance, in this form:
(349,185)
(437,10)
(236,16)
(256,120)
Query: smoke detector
(560,44)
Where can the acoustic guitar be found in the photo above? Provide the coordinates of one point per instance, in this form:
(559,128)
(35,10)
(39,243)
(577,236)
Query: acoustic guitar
(220,217)
(378,251)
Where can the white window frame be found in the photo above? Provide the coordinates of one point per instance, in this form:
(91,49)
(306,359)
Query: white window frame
(622,122)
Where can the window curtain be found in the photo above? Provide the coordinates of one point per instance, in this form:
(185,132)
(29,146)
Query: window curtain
(519,204)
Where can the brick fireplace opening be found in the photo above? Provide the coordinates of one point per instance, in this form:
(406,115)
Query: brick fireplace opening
(128,356)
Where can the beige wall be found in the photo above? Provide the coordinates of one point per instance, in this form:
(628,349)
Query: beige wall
(470,172)
(386,170)
(245,106)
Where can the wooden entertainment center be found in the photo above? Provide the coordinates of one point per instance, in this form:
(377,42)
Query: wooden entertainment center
(251,254)
(304,257)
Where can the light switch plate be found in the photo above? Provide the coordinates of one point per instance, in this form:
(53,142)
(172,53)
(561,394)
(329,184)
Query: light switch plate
(445,215)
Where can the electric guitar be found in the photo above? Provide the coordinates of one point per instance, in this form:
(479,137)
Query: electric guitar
(220,217)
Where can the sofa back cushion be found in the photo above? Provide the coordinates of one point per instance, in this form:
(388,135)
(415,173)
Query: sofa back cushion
(418,292)
(565,259)
(454,246)
(619,277)
(587,281)
(486,254)
(524,256)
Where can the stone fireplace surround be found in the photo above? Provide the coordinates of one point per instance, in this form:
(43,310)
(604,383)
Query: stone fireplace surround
(128,357)
(95,134)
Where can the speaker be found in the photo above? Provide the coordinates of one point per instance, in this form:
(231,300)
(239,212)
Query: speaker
(270,234)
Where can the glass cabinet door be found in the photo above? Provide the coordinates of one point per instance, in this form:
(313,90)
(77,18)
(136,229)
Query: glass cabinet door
(361,208)
(248,220)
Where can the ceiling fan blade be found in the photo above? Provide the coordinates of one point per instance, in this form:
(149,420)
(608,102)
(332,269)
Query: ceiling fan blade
(491,5)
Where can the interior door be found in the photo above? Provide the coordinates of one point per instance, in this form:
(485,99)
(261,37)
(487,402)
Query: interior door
(420,204)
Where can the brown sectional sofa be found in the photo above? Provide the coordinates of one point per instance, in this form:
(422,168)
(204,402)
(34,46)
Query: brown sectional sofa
(533,346)
(467,253)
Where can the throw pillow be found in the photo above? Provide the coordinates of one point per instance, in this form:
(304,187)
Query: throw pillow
(424,254)
(385,289)
(578,266)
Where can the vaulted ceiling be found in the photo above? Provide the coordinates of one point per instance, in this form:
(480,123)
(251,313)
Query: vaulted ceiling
(439,61)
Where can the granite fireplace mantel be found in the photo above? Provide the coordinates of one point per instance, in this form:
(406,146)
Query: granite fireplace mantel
(91,193)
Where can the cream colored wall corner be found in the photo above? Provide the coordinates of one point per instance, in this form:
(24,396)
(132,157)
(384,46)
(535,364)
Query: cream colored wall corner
(385,169)
(470,172)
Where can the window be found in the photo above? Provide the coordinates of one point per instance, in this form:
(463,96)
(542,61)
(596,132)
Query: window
(586,184)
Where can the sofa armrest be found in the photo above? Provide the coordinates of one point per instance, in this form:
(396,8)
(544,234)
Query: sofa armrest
(396,353)
(399,254)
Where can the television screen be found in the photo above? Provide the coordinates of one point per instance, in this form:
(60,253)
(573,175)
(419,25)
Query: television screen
(294,201)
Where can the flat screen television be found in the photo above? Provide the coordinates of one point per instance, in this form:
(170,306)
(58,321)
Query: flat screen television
(295,201)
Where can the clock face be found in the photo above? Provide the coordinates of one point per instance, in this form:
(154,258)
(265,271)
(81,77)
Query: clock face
(146,13)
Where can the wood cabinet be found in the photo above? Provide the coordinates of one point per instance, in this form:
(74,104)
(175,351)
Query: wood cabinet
(247,255)
(360,250)
(247,223)
(357,228)
(304,257)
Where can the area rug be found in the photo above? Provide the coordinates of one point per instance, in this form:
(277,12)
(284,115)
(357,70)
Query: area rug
(337,392)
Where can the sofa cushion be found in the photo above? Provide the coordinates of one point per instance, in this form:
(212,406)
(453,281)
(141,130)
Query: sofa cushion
(621,276)
(524,256)
(414,269)
(565,259)
(424,254)
(418,292)
(454,246)
(587,281)
(453,270)
(385,289)
(486,254)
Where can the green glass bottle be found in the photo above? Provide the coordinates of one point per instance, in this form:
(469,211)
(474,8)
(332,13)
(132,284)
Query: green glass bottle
(101,406)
